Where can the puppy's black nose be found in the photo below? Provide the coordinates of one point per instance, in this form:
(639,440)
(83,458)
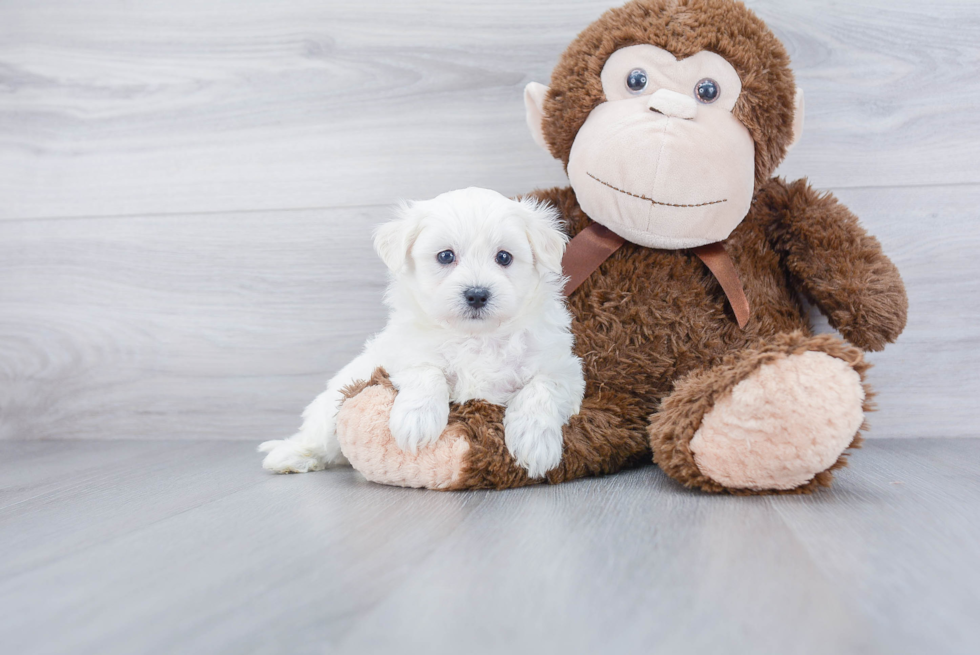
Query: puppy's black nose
(476,297)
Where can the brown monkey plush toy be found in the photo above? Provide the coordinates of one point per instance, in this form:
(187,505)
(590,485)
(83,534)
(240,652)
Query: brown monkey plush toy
(687,268)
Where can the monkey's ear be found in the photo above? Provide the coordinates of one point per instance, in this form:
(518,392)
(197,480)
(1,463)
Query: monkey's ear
(394,240)
(798,112)
(544,233)
(534,94)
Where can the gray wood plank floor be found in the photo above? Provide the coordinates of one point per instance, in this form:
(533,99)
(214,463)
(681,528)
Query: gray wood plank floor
(166,547)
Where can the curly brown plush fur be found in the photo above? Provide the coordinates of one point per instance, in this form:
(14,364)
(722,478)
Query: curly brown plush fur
(685,28)
(654,329)
(489,465)
(673,427)
(648,319)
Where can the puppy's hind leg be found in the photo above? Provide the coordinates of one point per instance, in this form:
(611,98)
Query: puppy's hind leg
(315,446)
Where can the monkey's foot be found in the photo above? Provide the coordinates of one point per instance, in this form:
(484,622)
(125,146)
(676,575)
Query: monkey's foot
(777,419)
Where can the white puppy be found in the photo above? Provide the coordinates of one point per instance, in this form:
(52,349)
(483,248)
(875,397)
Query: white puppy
(476,312)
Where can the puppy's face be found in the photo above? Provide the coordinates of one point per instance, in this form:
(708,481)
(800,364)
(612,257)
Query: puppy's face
(471,259)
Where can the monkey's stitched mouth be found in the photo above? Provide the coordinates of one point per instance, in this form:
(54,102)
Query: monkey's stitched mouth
(651,200)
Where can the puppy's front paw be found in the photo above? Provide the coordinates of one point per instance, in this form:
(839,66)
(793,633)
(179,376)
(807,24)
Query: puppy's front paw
(417,422)
(534,442)
(288,456)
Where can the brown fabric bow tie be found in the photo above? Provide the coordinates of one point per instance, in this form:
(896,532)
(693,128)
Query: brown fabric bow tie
(596,243)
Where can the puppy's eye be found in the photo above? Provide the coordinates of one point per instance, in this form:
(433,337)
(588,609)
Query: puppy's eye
(636,81)
(446,257)
(707,91)
(504,258)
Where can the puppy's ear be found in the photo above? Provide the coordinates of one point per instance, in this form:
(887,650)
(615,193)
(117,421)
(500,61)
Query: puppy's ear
(544,233)
(394,239)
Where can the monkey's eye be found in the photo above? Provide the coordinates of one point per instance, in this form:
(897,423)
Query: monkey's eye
(504,258)
(636,81)
(707,91)
(446,257)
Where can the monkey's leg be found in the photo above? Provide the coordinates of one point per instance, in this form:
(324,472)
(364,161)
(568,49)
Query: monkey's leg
(776,418)
(471,453)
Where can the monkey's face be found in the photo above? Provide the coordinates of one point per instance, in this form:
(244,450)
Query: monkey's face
(662,162)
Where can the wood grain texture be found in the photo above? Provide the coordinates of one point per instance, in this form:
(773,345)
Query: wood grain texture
(190,547)
(157,280)
(928,382)
(186,196)
(224,326)
(109,108)
(201,326)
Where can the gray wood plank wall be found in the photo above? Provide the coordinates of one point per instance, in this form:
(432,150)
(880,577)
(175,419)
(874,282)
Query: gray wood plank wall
(187,189)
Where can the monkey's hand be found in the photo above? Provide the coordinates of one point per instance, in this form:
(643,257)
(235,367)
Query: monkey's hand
(469,454)
(838,266)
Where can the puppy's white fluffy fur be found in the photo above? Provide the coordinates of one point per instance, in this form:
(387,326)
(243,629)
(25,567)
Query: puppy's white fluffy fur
(515,351)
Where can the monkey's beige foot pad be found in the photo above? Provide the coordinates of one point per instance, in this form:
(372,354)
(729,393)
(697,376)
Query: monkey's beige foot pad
(471,453)
(365,440)
(779,427)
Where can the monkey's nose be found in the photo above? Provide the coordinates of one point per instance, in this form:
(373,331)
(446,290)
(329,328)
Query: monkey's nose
(673,104)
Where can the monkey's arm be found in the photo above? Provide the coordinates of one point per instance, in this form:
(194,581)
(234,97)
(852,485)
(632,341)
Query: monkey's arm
(607,435)
(836,263)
